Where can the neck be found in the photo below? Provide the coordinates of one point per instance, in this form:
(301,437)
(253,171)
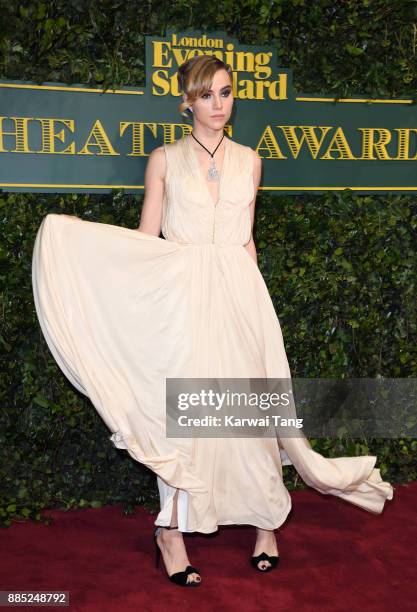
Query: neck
(210,138)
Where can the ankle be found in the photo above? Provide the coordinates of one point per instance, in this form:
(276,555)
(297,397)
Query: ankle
(265,533)
(169,534)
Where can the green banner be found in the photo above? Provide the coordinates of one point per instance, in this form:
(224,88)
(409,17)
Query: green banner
(72,138)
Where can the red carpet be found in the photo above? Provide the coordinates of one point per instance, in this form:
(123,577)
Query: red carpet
(334,556)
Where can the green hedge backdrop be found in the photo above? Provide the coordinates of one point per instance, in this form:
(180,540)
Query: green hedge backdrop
(341,268)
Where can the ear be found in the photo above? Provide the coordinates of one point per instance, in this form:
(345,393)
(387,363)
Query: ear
(189,109)
(184,97)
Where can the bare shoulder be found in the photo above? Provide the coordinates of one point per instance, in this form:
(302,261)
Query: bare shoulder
(256,157)
(157,153)
(156,165)
(257,165)
(257,160)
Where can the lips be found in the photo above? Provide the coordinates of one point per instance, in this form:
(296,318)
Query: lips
(217,116)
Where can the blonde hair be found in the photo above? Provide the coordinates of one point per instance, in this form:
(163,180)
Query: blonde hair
(195,77)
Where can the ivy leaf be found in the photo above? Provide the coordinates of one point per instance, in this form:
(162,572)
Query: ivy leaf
(353,50)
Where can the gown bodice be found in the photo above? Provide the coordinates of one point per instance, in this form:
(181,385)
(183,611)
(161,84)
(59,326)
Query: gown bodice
(190,214)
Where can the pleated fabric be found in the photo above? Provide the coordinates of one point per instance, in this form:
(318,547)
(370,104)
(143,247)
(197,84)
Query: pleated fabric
(122,311)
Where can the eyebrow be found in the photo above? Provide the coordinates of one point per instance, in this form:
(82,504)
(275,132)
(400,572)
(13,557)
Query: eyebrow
(225,87)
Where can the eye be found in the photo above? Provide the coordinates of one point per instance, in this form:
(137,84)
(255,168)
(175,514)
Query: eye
(225,93)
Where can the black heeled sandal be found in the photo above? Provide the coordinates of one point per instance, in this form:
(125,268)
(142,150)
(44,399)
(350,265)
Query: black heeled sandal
(179,577)
(273,560)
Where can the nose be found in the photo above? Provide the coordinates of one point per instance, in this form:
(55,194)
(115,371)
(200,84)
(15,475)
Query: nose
(217,103)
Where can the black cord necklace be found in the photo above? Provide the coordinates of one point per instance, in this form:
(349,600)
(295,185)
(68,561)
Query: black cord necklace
(212,174)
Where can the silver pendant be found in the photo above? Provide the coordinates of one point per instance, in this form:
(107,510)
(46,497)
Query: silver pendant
(212,174)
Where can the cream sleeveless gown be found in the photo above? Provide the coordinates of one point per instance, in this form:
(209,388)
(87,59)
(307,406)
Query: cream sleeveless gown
(122,310)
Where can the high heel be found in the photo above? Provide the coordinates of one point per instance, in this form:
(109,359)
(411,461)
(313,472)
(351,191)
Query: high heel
(179,577)
(273,560)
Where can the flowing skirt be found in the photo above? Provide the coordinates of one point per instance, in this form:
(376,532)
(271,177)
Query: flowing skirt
(122,310)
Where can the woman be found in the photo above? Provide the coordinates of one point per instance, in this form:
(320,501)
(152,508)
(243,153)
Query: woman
(123,310)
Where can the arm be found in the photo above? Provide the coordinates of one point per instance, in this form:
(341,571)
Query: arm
(257,170)
(151,216)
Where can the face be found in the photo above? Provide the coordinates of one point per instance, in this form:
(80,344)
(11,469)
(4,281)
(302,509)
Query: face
(218,101)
